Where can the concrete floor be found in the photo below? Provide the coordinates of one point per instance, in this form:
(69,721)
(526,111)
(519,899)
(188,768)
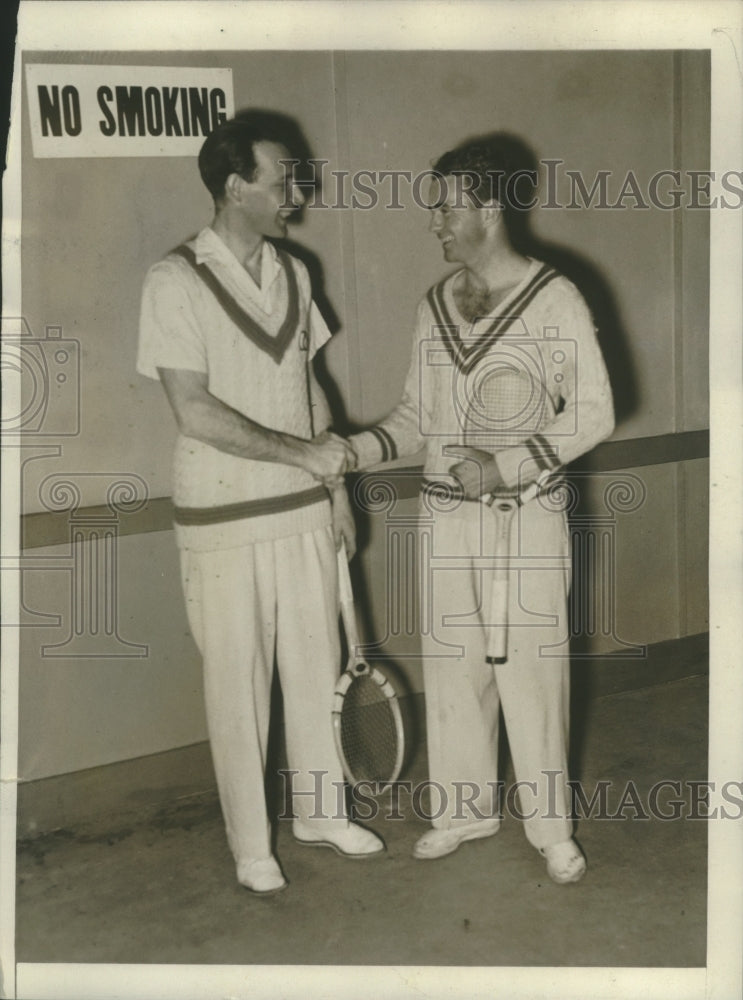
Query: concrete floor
(162,889)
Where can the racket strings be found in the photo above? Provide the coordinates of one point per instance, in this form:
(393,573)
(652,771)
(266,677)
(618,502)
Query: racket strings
(504,408)
(368,731)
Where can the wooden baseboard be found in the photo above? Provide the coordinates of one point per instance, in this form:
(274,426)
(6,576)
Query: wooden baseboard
(108,798)
(114,794)
(664,661)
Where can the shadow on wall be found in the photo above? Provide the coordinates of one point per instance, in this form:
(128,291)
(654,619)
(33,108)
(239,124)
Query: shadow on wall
(584,273)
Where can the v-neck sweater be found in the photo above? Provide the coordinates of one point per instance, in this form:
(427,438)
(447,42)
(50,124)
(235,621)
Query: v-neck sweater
(202,311)
(542,327)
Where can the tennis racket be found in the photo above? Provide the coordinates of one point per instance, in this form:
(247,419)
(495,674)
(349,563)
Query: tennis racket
(506,406)
(367,724)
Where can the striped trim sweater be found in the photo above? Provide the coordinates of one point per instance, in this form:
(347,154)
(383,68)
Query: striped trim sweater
(543,332)
(202,311)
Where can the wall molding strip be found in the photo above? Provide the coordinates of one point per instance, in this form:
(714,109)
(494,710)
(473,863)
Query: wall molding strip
(52,528)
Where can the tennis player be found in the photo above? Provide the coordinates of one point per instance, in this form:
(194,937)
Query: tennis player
(229,327)
(496,303)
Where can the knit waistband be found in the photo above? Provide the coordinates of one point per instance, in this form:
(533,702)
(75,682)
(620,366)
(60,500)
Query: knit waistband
(249,508)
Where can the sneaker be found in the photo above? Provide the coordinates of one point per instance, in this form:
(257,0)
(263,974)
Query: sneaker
(261,876)
(438,843)
(565,862)
(352,841)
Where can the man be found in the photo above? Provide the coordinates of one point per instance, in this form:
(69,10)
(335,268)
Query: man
(497,312)
(229,327)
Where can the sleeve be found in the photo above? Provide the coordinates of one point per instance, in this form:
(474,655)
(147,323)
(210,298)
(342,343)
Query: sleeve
(586,414)
(169,334)
(403,431)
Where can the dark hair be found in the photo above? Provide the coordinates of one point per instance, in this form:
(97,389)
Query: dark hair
(495,163)
(230,148)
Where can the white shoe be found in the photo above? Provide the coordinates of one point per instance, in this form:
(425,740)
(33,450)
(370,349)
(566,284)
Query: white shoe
(565,862)
(352,841)
(438,843)
(261,876)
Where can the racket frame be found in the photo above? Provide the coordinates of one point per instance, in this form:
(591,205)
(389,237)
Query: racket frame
(357,667)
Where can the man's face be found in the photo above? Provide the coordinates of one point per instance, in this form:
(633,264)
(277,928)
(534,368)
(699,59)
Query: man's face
(456,220)
(271,197)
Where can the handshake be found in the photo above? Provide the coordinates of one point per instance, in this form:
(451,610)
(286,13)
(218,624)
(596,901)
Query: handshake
(329,457)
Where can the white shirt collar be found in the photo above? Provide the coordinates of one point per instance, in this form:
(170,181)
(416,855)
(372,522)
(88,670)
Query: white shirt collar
(209,246)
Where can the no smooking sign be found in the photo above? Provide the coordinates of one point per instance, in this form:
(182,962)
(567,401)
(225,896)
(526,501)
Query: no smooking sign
(125,110)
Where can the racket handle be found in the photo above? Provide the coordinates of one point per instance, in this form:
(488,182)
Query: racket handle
(496,648)
(531,491)
(498,631)
(345,593)
(345,590)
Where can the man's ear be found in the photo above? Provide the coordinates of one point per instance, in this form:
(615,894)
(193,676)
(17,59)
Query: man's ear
(492,212)
(233,188)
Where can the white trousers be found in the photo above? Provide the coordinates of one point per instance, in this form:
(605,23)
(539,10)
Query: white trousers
(464,693)
(246,606)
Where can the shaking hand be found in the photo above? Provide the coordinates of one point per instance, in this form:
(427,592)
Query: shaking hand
(329,458)
(477,471)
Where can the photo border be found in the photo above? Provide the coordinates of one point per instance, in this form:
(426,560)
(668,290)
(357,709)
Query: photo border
(540,25)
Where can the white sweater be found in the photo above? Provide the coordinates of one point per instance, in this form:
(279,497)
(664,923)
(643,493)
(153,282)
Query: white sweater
(543,330)
(254,344)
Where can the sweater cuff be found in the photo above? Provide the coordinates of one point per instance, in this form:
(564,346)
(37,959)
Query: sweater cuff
(526,463)
(373,447)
